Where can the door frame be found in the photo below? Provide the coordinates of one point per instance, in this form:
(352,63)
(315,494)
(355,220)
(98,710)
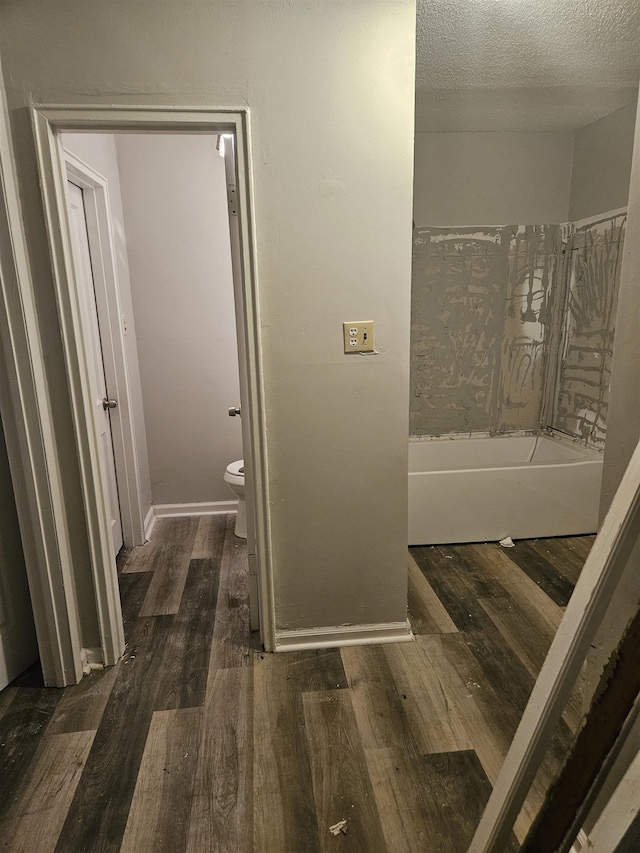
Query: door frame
(30,435)
(227,148)
(48,122)
(583,616)
(109,307)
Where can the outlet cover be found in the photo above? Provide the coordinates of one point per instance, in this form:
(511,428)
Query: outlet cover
(358,336)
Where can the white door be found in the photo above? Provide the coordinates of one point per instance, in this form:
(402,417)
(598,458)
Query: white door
(18,647)
(91,332)
(230,170)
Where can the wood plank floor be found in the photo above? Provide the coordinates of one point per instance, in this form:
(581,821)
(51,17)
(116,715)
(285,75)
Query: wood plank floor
(196,742)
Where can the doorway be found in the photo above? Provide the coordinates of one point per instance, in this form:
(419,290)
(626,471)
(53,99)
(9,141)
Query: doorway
(168,345)
(83,263)
(51,126)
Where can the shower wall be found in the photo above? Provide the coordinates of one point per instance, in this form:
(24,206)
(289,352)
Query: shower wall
(591,294)
(512,328)
(480,312)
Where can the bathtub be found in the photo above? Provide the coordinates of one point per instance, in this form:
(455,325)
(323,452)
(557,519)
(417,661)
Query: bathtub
(468,489)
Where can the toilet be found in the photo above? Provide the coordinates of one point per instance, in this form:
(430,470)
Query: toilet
(234,478)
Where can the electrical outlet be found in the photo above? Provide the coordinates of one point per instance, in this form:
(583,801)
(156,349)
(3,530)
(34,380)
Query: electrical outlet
(358,336)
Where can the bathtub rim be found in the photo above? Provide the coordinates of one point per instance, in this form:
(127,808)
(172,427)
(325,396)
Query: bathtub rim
(588,455)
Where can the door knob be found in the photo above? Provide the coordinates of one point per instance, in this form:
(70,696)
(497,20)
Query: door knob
(233,411)
(109,404)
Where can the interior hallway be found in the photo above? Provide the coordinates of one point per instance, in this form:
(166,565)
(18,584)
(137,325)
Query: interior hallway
(195,741)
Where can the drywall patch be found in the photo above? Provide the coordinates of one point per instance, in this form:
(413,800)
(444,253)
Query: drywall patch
(459,279)
(480,314)
(591,299)
(534,257)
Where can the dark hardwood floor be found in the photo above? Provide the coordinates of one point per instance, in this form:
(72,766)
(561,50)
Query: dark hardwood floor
(196,742)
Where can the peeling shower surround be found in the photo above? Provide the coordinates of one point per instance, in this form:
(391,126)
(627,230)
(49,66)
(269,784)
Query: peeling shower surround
(481,312)
(593,280)
(512,328)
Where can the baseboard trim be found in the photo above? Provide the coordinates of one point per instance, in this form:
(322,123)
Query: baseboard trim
(149,523)
(581,843)
(181,510)
(92,659)
(343,635)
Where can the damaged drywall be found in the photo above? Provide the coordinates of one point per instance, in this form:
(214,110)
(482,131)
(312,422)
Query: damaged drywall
(512,328)
(480,307)
(591,297)
(455,327)
(535,258)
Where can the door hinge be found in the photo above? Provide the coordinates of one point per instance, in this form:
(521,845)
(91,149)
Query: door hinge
(231,200)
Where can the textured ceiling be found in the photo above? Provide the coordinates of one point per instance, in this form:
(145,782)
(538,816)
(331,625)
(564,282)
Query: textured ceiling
(524,64)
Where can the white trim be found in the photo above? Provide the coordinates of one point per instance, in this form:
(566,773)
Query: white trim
(92,659)
(257,481)
(591,597)
(149,523)
(343,635)
(109,306)
(181,510)
(93,474)
(619,813)
(611,771)
(31,441)
(48,121)
(242,336)
(581,843)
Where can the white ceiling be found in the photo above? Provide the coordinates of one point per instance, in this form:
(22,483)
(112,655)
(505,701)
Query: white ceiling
(524,64)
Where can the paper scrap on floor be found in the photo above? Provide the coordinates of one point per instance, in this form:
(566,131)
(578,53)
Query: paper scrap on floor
(339,827)
(507,542)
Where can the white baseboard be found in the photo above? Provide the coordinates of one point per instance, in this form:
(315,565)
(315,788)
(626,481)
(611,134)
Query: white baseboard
(149,523)
(581,843)
(343,635)
(180,510)
(92,658)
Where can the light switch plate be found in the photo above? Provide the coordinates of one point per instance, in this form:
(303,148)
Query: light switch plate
(358,336)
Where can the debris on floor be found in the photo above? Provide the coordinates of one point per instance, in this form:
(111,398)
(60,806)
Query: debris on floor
(507,542)
(339,827)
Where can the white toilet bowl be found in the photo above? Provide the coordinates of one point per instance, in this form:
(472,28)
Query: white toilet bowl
(234,478)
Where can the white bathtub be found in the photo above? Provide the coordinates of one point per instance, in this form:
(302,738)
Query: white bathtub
(483,489)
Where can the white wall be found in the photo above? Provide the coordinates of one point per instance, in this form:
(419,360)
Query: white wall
(99,151)
(602,164)
(175,212)
(464,179)
(331,92)
(623,424)
(497,178)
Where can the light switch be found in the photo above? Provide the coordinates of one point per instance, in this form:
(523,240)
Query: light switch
(358,336)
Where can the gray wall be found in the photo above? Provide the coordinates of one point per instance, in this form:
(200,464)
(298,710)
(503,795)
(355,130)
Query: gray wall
(485,179)
(177,226)
(481,309)
(464,179)
(473,369)
(624,404)
(590,290)
(513,328)
(602,164)
(333,199)
(624,423)
(98,150)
